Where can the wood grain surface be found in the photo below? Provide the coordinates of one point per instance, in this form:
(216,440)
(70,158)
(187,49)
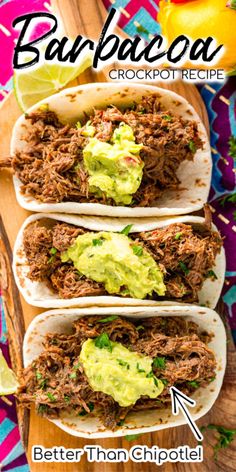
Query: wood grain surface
(86,17)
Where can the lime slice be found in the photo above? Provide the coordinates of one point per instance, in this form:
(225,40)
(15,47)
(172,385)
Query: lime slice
(8,382)
(32,86)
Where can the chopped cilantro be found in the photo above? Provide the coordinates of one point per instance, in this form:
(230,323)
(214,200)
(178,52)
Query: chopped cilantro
(232,147)
(84,412)
(126,230)
(178,236)
(224,438)
(76,366)
(43,384)
(140,370)
(184,267)
(103,342)
(123,363)
(67,398)
(108,319)
(137,250)
(73,375)
(51,397)
(212,274)
(42,408)
(139,327)
(192,146)
(38,375)
(121,423)
(53,251)
(228,198)
(159,362)
(151,375)
(97,242)
(193,384)
(167,117)
(164,381)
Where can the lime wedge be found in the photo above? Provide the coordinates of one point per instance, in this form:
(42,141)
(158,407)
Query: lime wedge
(8,382)
(35,85)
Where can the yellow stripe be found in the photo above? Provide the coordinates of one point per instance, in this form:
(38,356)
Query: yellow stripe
(210,88)
(222,218)
(125,13)
(5,30)
(225,100)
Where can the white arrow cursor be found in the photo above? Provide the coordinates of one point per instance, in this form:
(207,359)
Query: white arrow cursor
(179,401)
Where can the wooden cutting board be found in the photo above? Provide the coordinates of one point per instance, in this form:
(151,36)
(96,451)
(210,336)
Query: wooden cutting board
(86,17)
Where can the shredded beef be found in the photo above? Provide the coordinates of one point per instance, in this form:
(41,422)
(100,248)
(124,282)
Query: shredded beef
(56,382)
(51,166)
(185,254)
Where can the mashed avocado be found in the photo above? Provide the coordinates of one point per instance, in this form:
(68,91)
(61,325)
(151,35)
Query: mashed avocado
(114,168)
(114,259)
(118,372)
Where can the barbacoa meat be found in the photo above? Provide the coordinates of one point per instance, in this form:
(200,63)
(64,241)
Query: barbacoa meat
(56,382)
(51,166)
(185,253)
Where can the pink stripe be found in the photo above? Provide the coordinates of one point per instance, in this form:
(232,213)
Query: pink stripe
(3,415)
(11,440)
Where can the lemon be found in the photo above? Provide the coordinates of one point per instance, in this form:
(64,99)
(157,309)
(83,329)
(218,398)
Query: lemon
(41,82)
(8,382)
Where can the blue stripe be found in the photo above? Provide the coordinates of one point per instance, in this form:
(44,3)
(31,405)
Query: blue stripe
(5,428)
(16,452)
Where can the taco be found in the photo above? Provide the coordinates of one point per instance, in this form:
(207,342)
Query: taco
(111,149)
(67,260)
(106,372)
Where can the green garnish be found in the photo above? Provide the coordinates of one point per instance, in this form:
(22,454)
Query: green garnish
(228,198)
(212,379)
(77,365)
(53,251)
(84,412)
(141,110)
(126,230)
(103,342)
(43,384)
(232,147)
(108,319)
(184,267)
(164,381)
(139,369)
(78,125)
(51,397)
(38,375)
(67,398)
(42,408)
(224,438)
(121,423)
(73,375)
(97,242)
(123,363)
(193,384)
(132,437)
(137,250)
(139,327)
(178,236)
(167,117)
(211,273)
(151,375)
(159,362)
(192,146)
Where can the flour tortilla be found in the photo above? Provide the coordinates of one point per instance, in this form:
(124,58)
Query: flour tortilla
(70,105)
(38,294)
(60,321)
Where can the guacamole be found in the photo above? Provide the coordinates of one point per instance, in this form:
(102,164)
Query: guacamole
(118,372)
(115,260)
(114,168)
